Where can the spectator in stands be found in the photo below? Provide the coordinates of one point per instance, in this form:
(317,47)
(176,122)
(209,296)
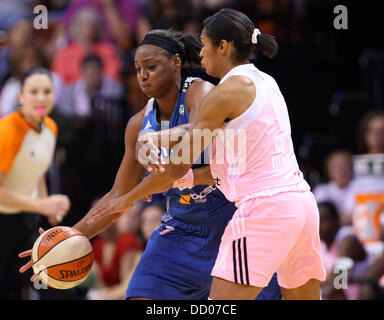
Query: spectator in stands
(117,252)
(15,36)
(339,244)
(371,141)
(79,99)
(369,186)
(85,30)
(22,59)
(118,19)
(12,11)
(150,219)
(372,282)
(57,8)
(55,36)
(132,222)
(169,14)
(371,133)
(338,167)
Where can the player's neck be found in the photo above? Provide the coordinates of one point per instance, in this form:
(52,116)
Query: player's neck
(167,103)
(229,66)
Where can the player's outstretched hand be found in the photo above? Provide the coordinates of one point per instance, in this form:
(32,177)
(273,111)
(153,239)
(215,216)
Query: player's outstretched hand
(114,207)
(28,253)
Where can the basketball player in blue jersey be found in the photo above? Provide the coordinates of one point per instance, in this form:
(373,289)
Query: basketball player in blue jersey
(180,254)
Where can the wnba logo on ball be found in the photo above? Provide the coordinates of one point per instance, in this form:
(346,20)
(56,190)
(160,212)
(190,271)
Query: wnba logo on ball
(50,236)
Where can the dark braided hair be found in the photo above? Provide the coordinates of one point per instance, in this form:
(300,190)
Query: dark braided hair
(189,43)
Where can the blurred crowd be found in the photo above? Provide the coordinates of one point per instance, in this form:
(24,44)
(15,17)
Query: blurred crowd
(89,47)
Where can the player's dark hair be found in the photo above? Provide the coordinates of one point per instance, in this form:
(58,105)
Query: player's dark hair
(188,43)
(33,71)
(234,26)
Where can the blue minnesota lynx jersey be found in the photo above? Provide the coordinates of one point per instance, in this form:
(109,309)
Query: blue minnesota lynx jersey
(189,204)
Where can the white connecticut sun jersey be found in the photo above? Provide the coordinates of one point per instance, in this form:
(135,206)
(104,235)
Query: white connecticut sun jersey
(253,156)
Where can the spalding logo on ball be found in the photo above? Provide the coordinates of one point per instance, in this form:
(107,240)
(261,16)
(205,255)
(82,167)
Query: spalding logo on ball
(62,257)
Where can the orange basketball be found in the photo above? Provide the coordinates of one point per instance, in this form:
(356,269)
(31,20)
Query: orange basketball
(62,257)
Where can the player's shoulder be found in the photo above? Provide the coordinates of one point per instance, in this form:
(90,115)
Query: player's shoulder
(51,125)
(137,118)
(235,88)
(195,92)
(135,122)
(199,86)
(235,83)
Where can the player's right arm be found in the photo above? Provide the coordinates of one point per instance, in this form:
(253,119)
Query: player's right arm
(130,173)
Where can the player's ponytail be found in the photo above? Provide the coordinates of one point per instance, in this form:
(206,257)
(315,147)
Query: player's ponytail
(192,47)
(234,26)
(267,45)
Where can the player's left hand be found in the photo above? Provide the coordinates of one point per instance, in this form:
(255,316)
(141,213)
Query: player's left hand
(29,264)
(116,207)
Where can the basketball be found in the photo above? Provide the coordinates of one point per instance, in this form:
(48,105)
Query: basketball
(62,257)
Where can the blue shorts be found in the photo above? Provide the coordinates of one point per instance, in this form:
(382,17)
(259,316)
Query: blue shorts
(178,259)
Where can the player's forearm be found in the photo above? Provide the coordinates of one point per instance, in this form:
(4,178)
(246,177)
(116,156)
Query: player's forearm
(152,184)
(90,230)
(93,229)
